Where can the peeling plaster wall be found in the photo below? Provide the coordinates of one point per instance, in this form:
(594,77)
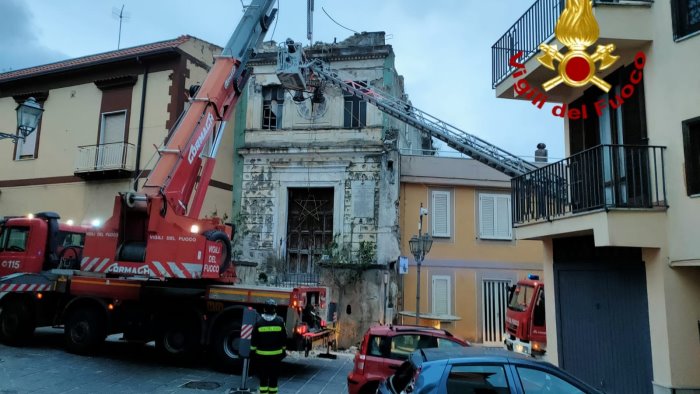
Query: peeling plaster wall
(311,148)
(269,173)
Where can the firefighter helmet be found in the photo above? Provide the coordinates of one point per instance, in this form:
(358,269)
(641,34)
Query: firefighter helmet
(270,306)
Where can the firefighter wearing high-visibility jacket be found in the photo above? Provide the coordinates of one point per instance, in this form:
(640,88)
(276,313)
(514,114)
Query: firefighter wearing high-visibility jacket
(268,346)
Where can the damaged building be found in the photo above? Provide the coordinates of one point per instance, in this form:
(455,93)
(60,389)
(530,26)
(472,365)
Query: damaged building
(318,179)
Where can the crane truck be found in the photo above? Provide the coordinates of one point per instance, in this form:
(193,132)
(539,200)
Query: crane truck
(154,270)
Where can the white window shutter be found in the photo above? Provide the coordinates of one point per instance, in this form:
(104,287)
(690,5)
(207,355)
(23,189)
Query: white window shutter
(487,215)
(495,220)
(441,295)
(441,214)
(503,219)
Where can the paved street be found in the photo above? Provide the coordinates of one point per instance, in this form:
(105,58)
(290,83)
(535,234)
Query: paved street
(125,368)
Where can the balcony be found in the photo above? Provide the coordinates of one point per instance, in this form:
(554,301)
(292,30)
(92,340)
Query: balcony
(624,23)
(105,161)
(606,190)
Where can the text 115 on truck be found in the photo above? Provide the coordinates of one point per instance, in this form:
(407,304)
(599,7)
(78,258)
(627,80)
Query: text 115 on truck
(525,329)
(154,270)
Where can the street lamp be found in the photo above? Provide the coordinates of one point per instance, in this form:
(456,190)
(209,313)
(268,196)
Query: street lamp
(420,246)
(28,115)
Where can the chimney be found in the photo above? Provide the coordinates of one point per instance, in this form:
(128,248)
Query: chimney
(541,153)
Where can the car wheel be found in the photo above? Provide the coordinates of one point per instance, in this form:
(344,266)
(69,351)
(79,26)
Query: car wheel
(369,388)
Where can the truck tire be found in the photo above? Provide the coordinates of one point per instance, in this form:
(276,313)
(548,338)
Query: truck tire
(85,330)
(16,322)
(222,238)
(224,345)
(177,338)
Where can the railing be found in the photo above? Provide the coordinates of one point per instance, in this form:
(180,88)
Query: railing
(535,27)
(603,177)
(532,29)
(104,157)
(295,279)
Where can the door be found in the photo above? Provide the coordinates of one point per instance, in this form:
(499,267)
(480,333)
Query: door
(494,300)
(110,151)
(602,315)
(309,230)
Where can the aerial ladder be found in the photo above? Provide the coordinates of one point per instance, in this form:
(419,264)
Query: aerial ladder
(294,71)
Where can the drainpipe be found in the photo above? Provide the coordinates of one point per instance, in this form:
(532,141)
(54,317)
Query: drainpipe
(137,170)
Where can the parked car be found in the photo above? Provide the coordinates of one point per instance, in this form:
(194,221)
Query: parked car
(480,370)
(384,348)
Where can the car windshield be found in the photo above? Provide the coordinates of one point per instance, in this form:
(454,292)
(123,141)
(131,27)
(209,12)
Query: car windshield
(14,239)
(521,298)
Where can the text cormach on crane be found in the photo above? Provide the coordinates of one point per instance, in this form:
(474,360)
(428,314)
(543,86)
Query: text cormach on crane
(154,270)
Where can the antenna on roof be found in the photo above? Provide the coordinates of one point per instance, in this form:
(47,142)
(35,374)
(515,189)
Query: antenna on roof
(310,21)
(119,13)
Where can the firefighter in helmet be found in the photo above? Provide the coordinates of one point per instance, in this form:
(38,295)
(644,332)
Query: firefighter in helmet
(268,346)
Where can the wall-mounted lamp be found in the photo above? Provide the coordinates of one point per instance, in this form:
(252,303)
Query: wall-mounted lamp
(28,115)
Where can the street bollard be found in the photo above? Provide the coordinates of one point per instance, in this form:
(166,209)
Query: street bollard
(249,318)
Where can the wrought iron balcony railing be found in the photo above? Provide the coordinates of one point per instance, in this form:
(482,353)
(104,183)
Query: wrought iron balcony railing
(532,29)
(296,279)
(603,177)
(105,157)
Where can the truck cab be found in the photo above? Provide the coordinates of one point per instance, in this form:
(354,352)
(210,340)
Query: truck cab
(525,329)
(39,242)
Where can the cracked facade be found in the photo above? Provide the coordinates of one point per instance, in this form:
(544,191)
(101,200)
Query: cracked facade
(319,181)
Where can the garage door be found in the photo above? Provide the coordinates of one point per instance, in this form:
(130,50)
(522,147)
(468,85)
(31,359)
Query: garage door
(602,318)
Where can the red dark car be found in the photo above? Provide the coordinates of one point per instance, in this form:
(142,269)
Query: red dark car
(384,348)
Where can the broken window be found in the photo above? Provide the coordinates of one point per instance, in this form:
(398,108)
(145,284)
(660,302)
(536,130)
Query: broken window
(273,101)
(355,113)
(309,228)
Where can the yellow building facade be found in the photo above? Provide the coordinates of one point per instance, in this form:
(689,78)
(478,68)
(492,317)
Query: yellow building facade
(464,277)
(104,115)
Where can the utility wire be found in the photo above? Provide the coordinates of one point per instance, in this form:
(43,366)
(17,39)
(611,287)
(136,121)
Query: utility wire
(334,21)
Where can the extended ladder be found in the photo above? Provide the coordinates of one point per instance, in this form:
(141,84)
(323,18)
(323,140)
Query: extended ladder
(457,139)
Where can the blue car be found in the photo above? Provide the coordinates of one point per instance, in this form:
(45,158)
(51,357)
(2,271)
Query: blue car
(480,370)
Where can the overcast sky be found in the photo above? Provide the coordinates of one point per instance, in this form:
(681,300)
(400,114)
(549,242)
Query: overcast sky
(442,47)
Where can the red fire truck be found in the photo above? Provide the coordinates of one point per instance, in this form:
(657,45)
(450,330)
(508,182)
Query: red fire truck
(525,329)
(41,285)
(154,270)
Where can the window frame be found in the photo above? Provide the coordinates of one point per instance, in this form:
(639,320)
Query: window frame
(555,374)
(7,235)
(279,99)
(510,382)
(448,213)
(691,130)
(20,143)
(360,121)
(449,292)
(681,30)
(480,229)
(103,123)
